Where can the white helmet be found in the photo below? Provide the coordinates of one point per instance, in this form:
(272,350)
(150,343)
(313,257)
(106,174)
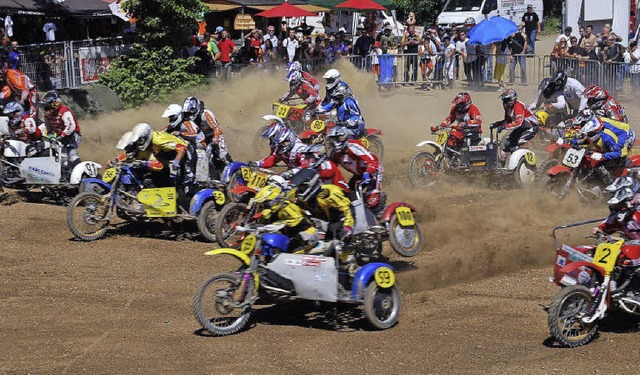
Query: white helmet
(124,141)
(278,181)
(333,77)
(141,136)
(174,113)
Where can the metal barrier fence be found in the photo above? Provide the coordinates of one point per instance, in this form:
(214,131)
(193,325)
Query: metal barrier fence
(615,77)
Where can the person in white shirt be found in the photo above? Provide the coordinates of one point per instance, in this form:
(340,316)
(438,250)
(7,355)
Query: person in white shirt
(50,31)
(291,44)
(566,36)
(270,35)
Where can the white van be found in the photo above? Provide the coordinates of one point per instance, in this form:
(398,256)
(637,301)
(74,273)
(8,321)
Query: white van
(455,12)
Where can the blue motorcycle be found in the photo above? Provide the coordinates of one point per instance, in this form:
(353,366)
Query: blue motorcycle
(224,302)
(126,191)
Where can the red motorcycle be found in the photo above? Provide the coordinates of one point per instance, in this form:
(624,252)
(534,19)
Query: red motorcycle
(578,170)
(594,279)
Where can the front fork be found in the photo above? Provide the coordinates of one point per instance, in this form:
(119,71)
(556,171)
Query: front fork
(601,296)
(567,185)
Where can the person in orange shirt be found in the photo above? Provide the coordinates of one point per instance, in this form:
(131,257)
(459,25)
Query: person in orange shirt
(16,85)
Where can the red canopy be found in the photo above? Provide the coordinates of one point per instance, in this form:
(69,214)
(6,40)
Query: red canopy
(361,5)
(286,10)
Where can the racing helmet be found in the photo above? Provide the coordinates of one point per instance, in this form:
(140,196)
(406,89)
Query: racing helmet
(14,111)
(462,102)
(621,183)
(560,80)
(623,204)
(307,183)
(192,108)
(278,181)
(276,126)
(51,102)
(583,117)
(333,77)
(592,130)
(285,140)
(174,113)
(338,138)
(509,98)
(269,196)
(295,67)
(315,154)
(295,78)
(596,96)
(141,135)
(124,141)
(340,93)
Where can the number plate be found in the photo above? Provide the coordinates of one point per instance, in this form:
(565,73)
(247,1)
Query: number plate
(109,175)
(573,157)
(606,255)
(317,126)
(246,174)
(571,134)
(219,197)
(405,217)
(248,244)
(385,278)
(441,137)
(283,110)
(258,180)
(477,148)
(530,158)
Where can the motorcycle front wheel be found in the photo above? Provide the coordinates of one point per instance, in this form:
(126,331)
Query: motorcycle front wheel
(423,170)
(231,215)
(406,241)
(555,184)
(376,146)
(382,306)
(207,221)
(218,305)
(86,216)
(261,143)
(565,316)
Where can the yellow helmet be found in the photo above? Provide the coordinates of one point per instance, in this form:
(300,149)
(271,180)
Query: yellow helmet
(268,195)
(542,117)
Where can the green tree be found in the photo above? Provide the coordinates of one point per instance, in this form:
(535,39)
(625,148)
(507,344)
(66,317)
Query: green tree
(165,22)
(426,11)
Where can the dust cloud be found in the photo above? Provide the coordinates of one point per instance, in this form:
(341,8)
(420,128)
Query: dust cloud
(470,232)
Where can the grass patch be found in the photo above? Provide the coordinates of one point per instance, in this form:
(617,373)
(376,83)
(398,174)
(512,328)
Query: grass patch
(552,26)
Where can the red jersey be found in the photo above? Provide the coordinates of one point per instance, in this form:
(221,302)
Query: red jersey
(614,110)
(520,114)
(30,132)
(313,82)
(63,123)
(292,160)
(472,118)
(225,47)
(356,159)
(329,173)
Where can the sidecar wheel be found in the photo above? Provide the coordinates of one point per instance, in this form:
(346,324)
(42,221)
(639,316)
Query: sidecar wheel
(423,170)
(214,305)
(406,241)
(564,314)
(524,173)
(83,217)
(381,306)
(207,221)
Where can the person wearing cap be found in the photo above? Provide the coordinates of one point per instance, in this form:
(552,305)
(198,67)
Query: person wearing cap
(388,40)
(270,35)
(531,23)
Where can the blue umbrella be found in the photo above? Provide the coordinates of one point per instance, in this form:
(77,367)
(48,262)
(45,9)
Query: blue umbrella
(495,29)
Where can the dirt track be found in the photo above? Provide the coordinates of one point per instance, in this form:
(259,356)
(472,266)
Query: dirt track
(471,300)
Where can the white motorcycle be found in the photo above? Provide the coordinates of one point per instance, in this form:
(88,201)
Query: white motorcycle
(26,167)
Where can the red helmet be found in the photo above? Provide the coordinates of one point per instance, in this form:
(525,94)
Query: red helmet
(596,96)
(462,102)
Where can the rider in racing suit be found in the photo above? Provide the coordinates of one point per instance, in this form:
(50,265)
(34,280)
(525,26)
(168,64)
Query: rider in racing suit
(315,157)
(327,202)
(517,118)
(162,152)
(188,131)
(286,147)
(18,85)
(623,207)
(348,112)
(193,110)
(333,81)
(297,67)
(22,125)
(304,90)
(468,117)
(61,121)
(562,97)
(626,136)
(608,149)
(603,104)
(366,170)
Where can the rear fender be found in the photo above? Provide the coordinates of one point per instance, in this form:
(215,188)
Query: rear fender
(97,181)
(201,198)
(238,255)
(573,266)
(362,278)
(515,157)
(390,210)
(374,132)
(436,146)
(230,169)
(635,161)
(558,170)
(88,168)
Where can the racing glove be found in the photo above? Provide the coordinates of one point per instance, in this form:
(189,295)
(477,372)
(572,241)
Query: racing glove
(253,164)
(596,156)
(497,126)
(366,178)
(434,129)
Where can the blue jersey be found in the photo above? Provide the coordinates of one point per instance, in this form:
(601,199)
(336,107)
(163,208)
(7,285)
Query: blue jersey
(608,145)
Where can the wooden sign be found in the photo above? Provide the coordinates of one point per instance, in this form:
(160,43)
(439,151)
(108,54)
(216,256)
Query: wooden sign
(244,22)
